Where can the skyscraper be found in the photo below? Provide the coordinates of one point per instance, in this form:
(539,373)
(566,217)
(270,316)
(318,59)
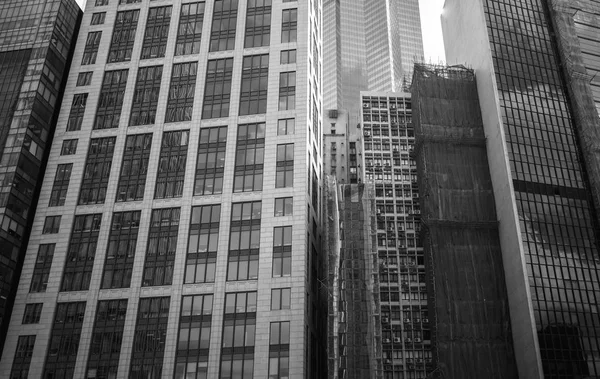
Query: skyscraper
(536,65)
(36,43)
(179,226)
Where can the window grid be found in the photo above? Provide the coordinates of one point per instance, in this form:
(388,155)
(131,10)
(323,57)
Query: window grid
(281,298)
(149,338)
(110,103)
(258,23)
(123,36)
(249,158)
(157,32)
(284,206)
(69,147)
(64,340)
(222,36)
(189,32)
(22,360)
(279,350)
(97,171)
(181,92)
(239,326)
(194,337)
(171,167)
(162,245)
(287,91)
(132,180)
(211,161)
(284,175)
(217,92)
(90,51)
(289,25)
(255,80)
(120,253)
(60,185)
(282,251)
(81,253)
(145,97)
(32,314)
(202,245)
(77,112)
(244,241)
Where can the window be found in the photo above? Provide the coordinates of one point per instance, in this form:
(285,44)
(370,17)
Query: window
(279,350)
(249,158)
(255,80)
(61,185)
(281,298)
(110,103)
(97,171)
(244,241)
(84,78)
(288,56)
(129,1)
(107,335)
(149,338)
(32,313)
(194,337)
(41,270)
(239,327)
(69,147)
(217,92)
(23,354)
(258,23)
(284,206)
(189,32)
(90,51)
(282,251)
(286,126)
(120,254)
(203,243)
(98,18)
(171,166)
(289,25)
(287,91)
(51,225)
(145,97)
(101,2)
(284,175)
(77,112)
(132,180)
(157,32)
(222,36)
(81,253)
(162,245)
(61,355)
(123,37)
(181,92)
(211,161)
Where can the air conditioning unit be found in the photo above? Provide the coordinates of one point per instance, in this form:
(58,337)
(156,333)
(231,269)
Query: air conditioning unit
(407,320)
(417,340)
(397,340)
(388,361)
(425,321)
(385,320)
(367,133)
(409,360)
(418,320)
(419,360)
(386,340)
(408,340)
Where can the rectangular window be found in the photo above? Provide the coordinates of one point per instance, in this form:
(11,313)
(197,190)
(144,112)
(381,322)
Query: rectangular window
(129,1)
(286,126)
(181,92)
(189,32)
(284,175)
(69,147)
(211,161)
(110,103)
(61,355)
(145,97)
(203,243)
(289,25)
(258,23)
(97,171)
(249,158)
(222,36)
(282,251)
(239,327)
(51,225)
(61,185)
(123,37)
(287,91)
(281,298)
(32,313)
(107,335)
(279,350)
(244,241)
(150,337)
(157,32)
(255,80)
(90,51)
(217,92)
(84,78)
(101,2)
(194,336)
(98,18)
(132,180)
(120,254)
(162,246)
(77,112)
(171,166)
(22,360)
(284,206)
(288,56)
(41,270)
(81,253)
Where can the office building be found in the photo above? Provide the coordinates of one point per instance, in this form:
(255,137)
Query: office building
(536,64)
(178,233)
(36,44)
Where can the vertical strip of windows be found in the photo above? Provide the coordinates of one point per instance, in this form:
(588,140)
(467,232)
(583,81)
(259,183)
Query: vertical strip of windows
(202,244)
(287,91)
(132,180)
(64,340)
(255,80)
(194,337)
(222,36)
(282,251)
(149,338)
(239,327)
(289,25)
(217,90)
(90,51)
(61,185)
(110,103)
(244,241)
(189,31)
(107,336)
(123,37)
(211,161)
(81,253)
(249,158)
(22,360)
(279,350)
(284,175)
(157,32)
(97,171)
(162,245)
(77,112)
(145,96)
(171,166)
(181,92)
(121,249)
(258,23)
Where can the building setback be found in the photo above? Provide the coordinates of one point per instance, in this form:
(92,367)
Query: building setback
(186,240)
